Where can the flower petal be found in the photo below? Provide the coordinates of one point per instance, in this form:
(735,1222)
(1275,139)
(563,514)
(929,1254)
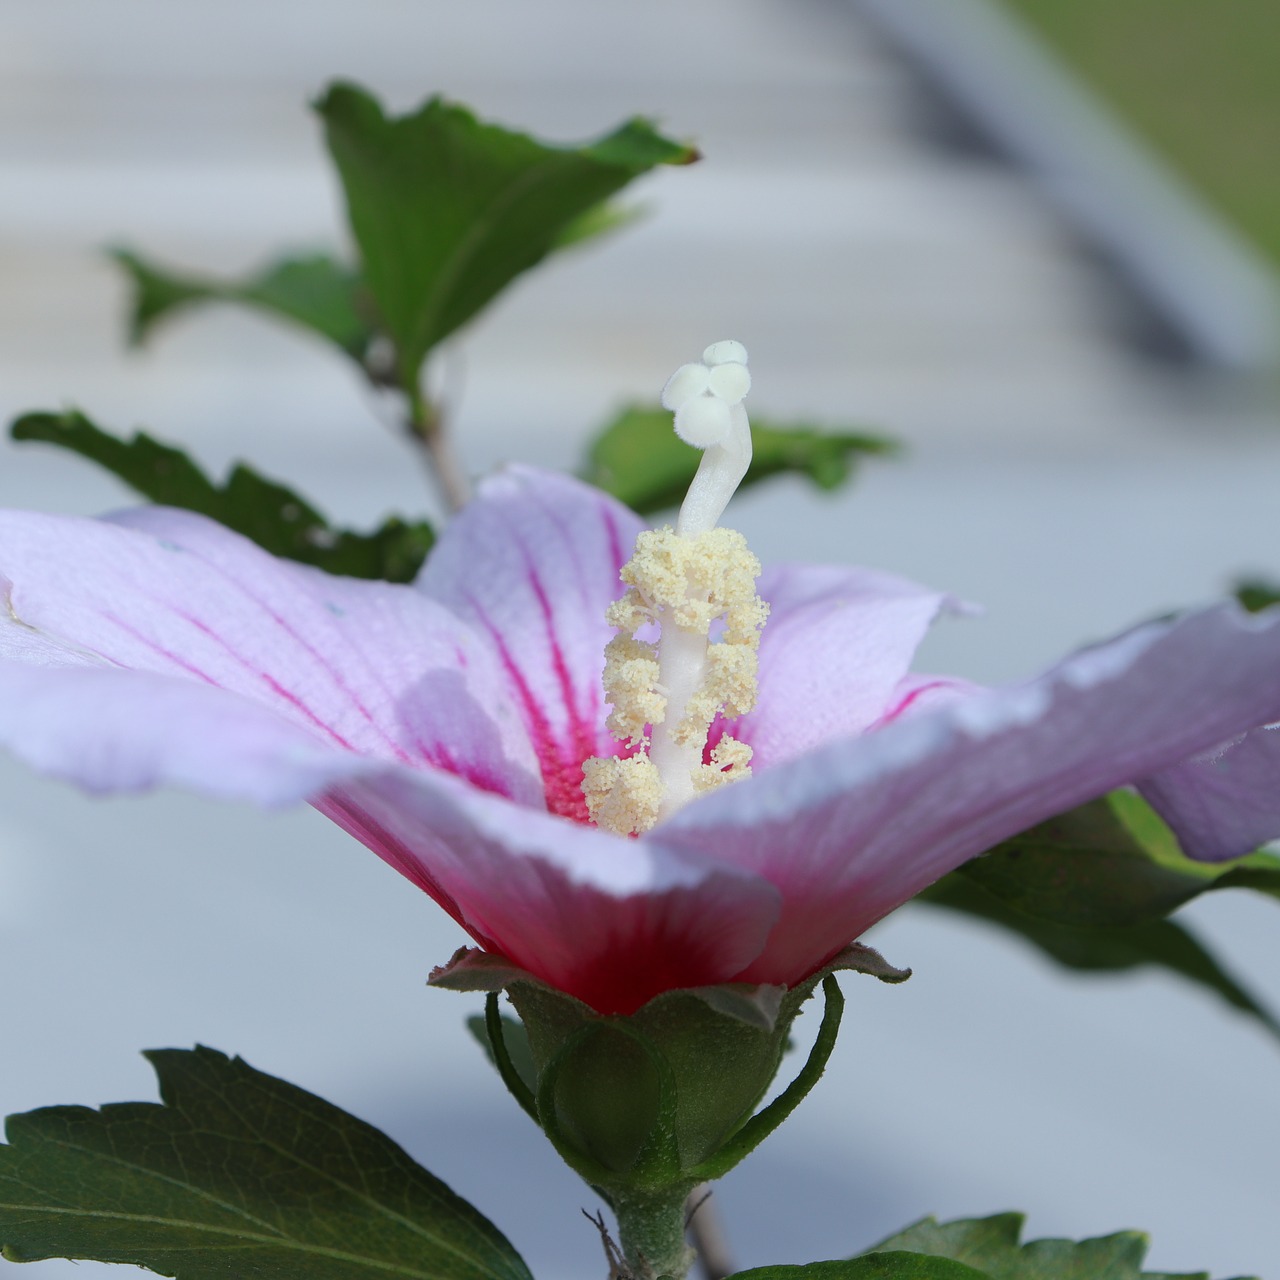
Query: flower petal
(1226,802)
(533,562)
(609,920)
(838,643)
(110,730)
(852,831)
(366,667)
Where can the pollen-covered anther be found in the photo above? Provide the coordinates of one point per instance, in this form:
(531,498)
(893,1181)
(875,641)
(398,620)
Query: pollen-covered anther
(630,674)
(730,762)
(731,675)
(623,795)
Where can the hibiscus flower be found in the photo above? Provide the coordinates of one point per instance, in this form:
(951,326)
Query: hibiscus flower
(445,725)
(449,725)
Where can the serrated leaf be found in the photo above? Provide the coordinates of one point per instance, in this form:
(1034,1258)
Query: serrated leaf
(1109,862)
(1162,944)
(275,517)
(234,1174)
(640,460)
(970,1240)
(447,210)
(992,1246)
(314,291)
(876,1266)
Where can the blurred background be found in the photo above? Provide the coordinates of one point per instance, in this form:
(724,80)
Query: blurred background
(1033,240)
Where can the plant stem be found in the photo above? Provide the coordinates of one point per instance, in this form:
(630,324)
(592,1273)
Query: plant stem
(426,425)
(707,1234)
(651,1232)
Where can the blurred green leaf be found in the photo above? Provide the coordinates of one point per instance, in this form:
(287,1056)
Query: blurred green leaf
(876,1266)
(992,1246)
(1256,594)
(641,461)
(1161,944)
(600,220)
(447,210)
(235,1174)
(314,291)
(1110,862)
(273,516)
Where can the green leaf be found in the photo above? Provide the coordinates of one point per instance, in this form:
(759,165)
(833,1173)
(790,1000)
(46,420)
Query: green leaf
(875,1266)
(314,291)
(447,210)
(1104,949)
(234,1174)
(601,220)
(992,1246)
(275,517)
(1256,594)
(1109,862)
(641,461)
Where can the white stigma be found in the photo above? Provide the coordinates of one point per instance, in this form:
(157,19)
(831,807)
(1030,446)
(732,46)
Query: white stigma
(707,401)
(666,695)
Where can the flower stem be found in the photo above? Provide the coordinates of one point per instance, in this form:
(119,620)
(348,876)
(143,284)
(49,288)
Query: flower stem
(651,1232)
(426,425)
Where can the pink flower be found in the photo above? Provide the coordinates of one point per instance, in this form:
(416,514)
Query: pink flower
(444,725)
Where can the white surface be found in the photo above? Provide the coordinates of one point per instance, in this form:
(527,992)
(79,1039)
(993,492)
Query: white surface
(1054,477)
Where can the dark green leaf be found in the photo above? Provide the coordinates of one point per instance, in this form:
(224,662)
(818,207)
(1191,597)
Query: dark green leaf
(875,1266)
(1256,594)
(1110,862)
(641,461)
(235,1175)
(991,1245)
(275,517)
(1101,948)
(448,210)
(314,291)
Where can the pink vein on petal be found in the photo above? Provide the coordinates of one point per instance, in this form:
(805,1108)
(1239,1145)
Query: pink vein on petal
(323,663)
(905,703)
(148,643)
(563,795)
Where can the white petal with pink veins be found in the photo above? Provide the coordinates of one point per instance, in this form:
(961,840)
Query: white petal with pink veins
(532,562)
(851,831)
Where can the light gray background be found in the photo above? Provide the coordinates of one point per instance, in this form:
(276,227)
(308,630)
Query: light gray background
(879,274)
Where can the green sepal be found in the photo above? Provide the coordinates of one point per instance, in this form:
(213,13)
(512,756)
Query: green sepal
(507,1045)
(641,461)
(692,1066)
(272,515)
(607,1102)
(765,1121)
(992,1245)
(323,296)
(447,210)
(234,1174)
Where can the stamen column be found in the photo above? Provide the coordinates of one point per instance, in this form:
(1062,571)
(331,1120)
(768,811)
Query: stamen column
(684,580)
